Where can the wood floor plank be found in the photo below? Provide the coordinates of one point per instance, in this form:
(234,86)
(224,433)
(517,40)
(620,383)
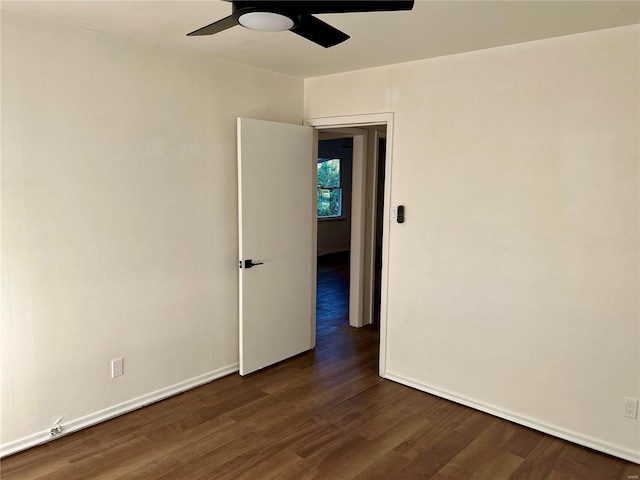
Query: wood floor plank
(37,468)
(312,439)
(216,457)
(381,424)
(524,441)
(348,462)
(258,459)
(558,476)
(485,449)
(101,464)
(229,437)
(348,413)
(270,466)
(432,457)
(501,467)
(388,467)
(422,443)
(304,471)
(153,469)
(342,457)
(322,415)
(176,444)
(577,462)
(541,461)
(475,424)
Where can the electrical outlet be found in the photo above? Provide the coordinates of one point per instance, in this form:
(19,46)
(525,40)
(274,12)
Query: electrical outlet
(117,367)
(630,407)
(56,428)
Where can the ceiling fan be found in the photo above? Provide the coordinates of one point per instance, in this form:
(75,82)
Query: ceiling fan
(297,16)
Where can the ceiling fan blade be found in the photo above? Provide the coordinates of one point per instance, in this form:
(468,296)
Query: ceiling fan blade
(216,27)
(318,31)
(352,6)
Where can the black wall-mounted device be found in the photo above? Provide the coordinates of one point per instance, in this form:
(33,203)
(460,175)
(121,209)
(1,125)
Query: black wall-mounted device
(400,217)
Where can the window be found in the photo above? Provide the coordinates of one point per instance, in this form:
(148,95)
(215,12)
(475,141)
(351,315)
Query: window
(329,188)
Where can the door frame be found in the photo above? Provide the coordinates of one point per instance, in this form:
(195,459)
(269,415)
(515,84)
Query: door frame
(376,133)
(368,120)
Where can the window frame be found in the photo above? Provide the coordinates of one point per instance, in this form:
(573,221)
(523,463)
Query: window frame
(340,188)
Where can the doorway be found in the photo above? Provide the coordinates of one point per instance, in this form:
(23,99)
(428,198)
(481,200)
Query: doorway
(367,120)
(351,179)
(334,193)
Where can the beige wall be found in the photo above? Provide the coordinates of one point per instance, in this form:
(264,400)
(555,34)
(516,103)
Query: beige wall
(119,217)
(514,283)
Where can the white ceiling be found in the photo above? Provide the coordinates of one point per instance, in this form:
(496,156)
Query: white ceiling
(431,29)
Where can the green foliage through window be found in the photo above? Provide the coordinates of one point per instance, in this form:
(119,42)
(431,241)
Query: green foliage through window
(329,188)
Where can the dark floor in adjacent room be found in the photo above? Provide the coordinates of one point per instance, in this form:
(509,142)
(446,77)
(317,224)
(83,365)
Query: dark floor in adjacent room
(325,414)
(332,301)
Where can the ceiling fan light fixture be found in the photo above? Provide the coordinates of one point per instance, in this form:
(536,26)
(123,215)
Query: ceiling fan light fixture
(297,16)
(266,21)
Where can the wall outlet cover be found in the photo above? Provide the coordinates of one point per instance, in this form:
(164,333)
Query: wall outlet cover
(117,367)
(630,407)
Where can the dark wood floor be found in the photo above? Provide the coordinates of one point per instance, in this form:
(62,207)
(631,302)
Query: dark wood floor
(325,414)
(332,302)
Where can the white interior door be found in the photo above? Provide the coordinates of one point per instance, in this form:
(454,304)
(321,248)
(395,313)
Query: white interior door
(276,200)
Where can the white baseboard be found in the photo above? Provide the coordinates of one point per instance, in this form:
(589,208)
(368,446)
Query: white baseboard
(115,410)
(569,435)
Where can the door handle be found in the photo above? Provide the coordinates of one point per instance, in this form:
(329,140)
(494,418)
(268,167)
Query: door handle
(249,263)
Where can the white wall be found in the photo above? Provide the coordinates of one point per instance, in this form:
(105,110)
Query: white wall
(119,218)
(514,283)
